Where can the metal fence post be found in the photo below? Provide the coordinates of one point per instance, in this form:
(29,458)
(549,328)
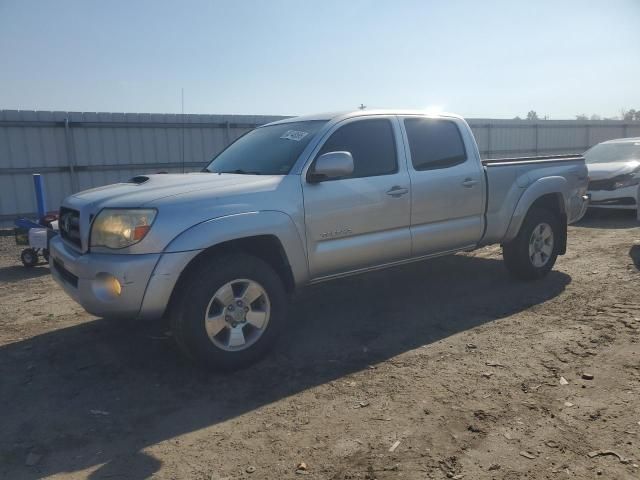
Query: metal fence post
(71,156)
(587,130)
(227,133)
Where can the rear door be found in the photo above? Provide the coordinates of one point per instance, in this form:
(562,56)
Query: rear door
(360,221)
(447,185)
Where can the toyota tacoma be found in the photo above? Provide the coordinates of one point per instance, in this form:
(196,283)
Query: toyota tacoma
(301,201)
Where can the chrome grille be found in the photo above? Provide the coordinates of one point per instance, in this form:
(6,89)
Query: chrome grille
(69,225)
(607,184)
(610,183)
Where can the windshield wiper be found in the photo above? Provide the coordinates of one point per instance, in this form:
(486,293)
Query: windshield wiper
(239,171)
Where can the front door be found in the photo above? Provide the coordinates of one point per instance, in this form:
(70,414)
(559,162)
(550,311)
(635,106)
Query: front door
(360,221)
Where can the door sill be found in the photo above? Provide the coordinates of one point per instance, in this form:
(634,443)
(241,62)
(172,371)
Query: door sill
(405,261)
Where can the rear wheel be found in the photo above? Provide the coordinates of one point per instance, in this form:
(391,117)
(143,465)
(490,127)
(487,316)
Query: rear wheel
(534,251)
(229,311)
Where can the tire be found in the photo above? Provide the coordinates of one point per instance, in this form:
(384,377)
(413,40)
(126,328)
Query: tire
(205,292)
(45,254)
(29,257)
(517,254)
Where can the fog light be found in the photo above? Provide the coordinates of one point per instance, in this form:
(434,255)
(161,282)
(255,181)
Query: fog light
(106,287)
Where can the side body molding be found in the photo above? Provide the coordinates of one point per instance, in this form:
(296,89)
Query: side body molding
(544,186)
(242,225)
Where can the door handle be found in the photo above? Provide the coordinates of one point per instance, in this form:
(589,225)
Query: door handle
(397,191)
(469,182)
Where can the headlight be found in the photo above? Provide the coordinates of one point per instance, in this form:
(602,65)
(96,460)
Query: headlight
(626,181)
(120,228)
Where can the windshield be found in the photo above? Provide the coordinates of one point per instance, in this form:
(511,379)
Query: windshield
(270,150)
(613,152)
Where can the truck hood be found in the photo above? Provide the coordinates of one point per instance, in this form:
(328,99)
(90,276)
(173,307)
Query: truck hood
(185,200)
(149,190)
(602,171)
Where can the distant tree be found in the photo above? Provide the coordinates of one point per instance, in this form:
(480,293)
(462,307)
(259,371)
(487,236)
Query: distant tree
(637,115)
(582,116)
(595,116)
(532,115)
(630,115)
(517,118)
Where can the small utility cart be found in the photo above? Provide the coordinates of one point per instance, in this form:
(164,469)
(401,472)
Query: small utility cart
(36,237)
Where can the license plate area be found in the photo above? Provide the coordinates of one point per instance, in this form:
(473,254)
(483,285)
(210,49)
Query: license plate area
(65,274)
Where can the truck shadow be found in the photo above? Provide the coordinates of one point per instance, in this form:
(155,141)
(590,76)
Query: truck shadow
(100,392)
(17,273)
(611,219)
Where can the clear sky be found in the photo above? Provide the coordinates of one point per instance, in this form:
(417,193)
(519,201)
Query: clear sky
(478,58)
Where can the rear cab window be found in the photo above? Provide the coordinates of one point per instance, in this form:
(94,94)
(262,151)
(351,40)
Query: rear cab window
(371,143)
(434,143)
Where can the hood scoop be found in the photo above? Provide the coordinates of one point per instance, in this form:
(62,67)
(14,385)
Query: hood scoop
(138,179)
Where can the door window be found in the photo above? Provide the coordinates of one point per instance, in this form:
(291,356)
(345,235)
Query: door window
(371,144)
(434,143)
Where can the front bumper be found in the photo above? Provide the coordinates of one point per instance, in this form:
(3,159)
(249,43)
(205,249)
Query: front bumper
(623,198)
(147,280)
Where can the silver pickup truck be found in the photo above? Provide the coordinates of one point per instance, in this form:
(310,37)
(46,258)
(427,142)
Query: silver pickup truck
(301,201)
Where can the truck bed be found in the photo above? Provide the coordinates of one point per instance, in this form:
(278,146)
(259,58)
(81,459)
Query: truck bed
(507,179)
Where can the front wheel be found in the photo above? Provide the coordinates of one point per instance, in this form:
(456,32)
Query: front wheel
(29,257)
(532,254)
(228,311)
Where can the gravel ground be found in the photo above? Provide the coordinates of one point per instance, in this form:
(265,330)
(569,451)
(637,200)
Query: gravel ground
(442,369)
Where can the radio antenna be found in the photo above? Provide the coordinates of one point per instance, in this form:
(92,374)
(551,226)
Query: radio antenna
(182,130)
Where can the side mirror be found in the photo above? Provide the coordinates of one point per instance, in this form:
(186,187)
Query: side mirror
(331,165)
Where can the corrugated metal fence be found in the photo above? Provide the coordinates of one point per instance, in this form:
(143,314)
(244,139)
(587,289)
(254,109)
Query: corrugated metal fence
(501,138)
(76,151)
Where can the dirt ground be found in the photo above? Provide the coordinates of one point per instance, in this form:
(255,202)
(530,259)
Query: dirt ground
(442,369)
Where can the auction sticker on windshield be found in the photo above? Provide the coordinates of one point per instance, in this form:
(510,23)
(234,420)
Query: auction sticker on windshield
(294,135)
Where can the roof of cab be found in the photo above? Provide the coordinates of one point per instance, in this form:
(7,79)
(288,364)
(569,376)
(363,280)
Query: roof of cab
(336,116)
